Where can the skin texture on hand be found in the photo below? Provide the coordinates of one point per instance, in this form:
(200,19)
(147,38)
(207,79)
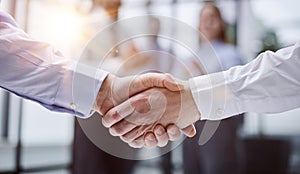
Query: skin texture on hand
(142,119)
(116,90)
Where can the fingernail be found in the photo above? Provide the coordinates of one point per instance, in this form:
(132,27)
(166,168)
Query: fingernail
(172,131)
(159,131)
(150,137)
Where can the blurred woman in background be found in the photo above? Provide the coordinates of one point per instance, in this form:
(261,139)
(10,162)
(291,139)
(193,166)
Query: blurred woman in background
(220,153)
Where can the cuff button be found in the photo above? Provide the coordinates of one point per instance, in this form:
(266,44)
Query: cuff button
(73,106)
(220,112)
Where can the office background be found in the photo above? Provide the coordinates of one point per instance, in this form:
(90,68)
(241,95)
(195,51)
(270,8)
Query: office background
(33,139)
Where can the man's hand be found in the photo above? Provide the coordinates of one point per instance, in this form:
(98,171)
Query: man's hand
(141,120)
(115,90)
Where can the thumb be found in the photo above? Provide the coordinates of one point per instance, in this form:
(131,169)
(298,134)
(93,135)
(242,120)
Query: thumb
(171,84)
(150,80)
(140,83)
(189,131)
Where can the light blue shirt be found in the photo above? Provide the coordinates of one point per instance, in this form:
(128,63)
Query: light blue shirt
(218,57)
(36,71)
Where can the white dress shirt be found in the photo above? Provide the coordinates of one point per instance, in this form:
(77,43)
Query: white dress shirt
(268,84)
(35,70)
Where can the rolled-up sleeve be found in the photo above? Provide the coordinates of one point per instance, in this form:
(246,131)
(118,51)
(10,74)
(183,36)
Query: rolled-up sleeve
(268,84)
(36,71)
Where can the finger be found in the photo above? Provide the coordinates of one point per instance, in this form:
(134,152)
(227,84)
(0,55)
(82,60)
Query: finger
(150,80)
(171,84)
(135,133)
(137,143)
(173,132)
(117,113)
(161,135)
(147,110)
(150,140)
(121,128)
(189,131)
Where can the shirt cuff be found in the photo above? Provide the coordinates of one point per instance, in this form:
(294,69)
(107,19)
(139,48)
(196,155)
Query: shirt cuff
(213,96)
(79,93)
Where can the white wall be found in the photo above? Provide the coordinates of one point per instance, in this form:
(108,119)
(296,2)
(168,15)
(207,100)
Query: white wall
(43,127)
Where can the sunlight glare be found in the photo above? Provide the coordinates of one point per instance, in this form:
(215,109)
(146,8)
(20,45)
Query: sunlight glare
(64,26)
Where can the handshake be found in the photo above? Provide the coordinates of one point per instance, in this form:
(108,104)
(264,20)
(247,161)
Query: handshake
(147,110)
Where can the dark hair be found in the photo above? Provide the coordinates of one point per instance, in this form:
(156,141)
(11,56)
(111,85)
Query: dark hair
(222,34)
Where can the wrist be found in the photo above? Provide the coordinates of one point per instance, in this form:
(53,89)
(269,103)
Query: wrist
(104,94)
(191,104)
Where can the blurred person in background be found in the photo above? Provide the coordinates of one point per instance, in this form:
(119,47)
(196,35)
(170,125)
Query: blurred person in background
(134,56)
(88,158)
(152,57)
(221,153)
(15,38)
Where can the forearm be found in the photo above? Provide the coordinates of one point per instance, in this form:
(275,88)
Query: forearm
(35,70)
(268,84)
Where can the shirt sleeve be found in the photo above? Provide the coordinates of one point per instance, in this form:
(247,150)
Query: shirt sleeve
(268,84)
(36,71)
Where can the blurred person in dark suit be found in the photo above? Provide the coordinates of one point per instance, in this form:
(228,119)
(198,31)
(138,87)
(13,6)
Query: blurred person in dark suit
(221,153)
(88,158)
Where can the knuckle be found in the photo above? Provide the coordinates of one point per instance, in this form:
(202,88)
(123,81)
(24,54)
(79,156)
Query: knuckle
(110,118)
(115,115)
(130,136)
(117,130)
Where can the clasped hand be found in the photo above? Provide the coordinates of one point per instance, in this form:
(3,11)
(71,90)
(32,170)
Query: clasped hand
(147,110)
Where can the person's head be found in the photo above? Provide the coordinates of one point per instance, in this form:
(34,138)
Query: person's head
(211,24)
(111,6)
